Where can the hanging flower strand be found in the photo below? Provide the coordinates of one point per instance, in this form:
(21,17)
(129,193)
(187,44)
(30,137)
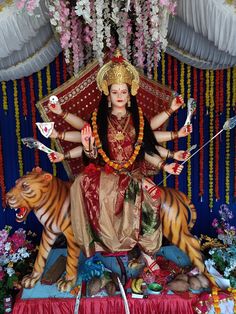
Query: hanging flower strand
(211,134)
(100,17)
(189,169)
(4,95)
(217,129)
(227,140)
(201,135)
(49,81)
(2,182)
(18,135)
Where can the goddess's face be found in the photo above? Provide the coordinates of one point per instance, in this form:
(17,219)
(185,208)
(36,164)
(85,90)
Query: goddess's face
(119,95)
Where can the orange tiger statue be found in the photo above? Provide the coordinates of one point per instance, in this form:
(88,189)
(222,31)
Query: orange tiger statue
(49,198)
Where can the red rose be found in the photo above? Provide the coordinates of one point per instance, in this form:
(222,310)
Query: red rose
(108,169)
(91,168)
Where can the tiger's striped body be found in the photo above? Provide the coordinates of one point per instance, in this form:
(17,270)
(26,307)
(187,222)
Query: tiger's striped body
(178,216)
(49,197)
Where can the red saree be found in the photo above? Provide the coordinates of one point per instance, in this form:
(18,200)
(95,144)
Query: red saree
(114,212)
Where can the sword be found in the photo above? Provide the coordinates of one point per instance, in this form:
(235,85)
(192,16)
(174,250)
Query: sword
(33,143)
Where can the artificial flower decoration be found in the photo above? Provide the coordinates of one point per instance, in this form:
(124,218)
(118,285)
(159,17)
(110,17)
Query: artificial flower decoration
(86,28)
(16,260)
(224,258)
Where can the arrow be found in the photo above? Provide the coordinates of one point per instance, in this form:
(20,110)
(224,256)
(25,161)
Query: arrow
(228,125)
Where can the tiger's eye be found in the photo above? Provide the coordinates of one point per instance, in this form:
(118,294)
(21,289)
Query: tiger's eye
(25,186)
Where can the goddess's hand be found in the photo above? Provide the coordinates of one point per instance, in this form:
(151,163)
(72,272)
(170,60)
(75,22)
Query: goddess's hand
(55,107)
(185,130)
(173,168)
(176,103)
(181,155)
(55,157)
(87,138)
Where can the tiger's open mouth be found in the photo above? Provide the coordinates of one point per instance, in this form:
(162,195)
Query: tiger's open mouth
(21,213)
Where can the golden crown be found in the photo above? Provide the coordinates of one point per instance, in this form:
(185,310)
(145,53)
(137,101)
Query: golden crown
(118,71)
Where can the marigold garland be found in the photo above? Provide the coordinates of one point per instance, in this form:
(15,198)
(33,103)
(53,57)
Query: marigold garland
(40,85)
(49,88)
(163,68)
(189,169)
(24,99)
(227,140)
(4,96)
(233,292)
(176,124)
(207,95)
(2,182)
(222,91)
(234,108)
(18,135)
(216,300)
(169,70)
(137,146)
(58,81)
(33,111)
(234,89)
(176,76)
(195,83)
(182,81)
(211,134)
(217,129)
(163,81)
(201,135)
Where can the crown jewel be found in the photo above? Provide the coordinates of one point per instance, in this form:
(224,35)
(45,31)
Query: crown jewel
(118,71)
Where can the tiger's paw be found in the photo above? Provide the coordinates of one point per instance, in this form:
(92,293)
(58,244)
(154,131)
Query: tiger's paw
(29,281)
(65,285)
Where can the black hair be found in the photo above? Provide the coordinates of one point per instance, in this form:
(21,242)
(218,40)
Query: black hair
(149,140)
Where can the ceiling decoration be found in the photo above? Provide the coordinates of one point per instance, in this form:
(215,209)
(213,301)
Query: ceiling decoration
(27,41)
(202,34)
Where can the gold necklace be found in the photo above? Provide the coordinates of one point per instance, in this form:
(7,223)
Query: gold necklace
(120,136)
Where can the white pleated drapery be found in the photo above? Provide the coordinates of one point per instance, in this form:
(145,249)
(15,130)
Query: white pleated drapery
(203,34)
(214,19)
(27,42)
(195,49)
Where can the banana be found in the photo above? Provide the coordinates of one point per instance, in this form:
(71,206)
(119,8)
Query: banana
(138,285)
(133,285)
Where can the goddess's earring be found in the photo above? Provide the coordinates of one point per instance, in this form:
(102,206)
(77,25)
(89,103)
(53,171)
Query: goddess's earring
(109,104)
(129,103)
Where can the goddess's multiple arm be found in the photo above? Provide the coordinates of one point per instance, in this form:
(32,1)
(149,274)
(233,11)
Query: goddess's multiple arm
(160,119)
(85,137)
(180,155)
(70,136)
(159,163)
(75,121)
